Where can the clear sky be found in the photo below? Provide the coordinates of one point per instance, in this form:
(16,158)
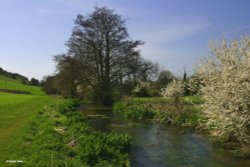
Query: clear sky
(176,32)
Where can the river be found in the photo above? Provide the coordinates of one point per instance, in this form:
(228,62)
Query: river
(160,145)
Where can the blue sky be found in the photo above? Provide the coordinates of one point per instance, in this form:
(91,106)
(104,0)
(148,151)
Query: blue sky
(176,32)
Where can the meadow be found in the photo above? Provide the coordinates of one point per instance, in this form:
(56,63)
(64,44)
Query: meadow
(15,111)
(41,130)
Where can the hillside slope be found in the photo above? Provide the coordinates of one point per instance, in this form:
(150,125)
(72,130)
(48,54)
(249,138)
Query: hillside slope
(16,110)
(15,84)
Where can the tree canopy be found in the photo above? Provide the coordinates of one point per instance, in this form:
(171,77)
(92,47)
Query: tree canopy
(101,57)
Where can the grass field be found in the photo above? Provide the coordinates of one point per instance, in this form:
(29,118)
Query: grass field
(12,84)
(16,110)
(28,132)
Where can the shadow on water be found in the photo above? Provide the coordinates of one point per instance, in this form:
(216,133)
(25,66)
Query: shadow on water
(158,145)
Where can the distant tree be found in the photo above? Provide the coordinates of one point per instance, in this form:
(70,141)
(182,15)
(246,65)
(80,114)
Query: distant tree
(68,76)
(148,70)
(186,84)
(34,82)
(164,78)
(49,85)
(104,53)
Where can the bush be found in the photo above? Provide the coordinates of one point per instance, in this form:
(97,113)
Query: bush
(145,89)
(120,107)
(173,89)
(139,113)
(225,87)
(67,106)
(190,116)
(142,92)
(184,115)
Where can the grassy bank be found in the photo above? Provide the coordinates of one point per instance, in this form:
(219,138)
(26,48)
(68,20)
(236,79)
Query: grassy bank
(183,111)
(41,130)
(15,111)
(58,136)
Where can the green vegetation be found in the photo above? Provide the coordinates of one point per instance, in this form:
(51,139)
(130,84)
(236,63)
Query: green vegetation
(103,65)
(13,76)
(185,99)
(133,110)
(103,62)
(15,84)
(184,112)
(58,136)
(14,99)
(185,116)
(15,111)
(43,130)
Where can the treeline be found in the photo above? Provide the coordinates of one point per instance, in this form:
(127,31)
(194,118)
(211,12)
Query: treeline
(21,78)
(102,62)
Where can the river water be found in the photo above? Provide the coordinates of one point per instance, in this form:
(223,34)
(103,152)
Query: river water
(159,145)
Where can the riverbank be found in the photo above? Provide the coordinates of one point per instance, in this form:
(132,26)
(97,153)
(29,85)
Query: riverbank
(59,136)
(161,145)
(185,111)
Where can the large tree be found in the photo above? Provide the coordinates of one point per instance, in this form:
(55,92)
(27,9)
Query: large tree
(103,50)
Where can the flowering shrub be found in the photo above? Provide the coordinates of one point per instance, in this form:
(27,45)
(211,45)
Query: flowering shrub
(173,89)
(225,87)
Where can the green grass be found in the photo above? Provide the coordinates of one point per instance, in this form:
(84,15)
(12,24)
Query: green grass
(12,84)
(15,111)
(14,99)
(4,78)
(28,132)
(41,144)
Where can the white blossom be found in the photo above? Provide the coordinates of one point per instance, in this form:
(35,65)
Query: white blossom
(225,87)
(173,89)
